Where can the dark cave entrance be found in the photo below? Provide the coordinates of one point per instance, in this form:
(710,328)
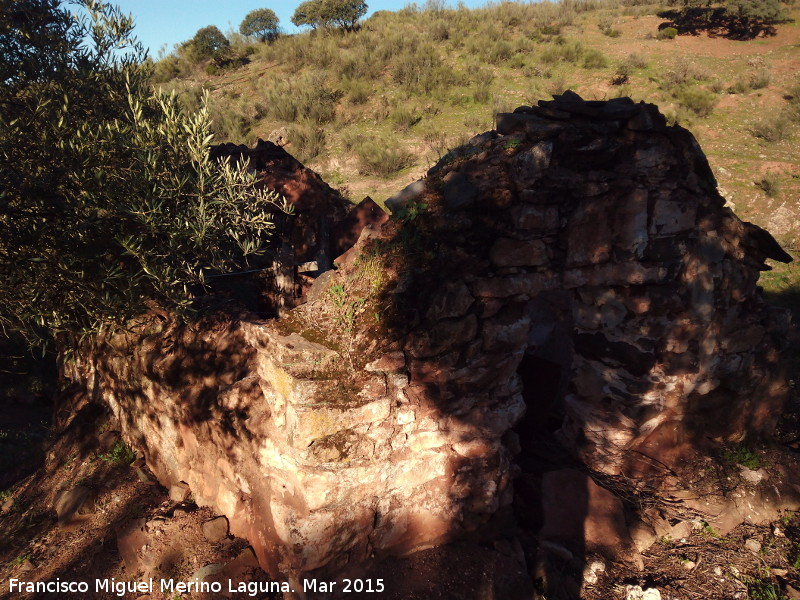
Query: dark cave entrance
(541,389)
(544,374)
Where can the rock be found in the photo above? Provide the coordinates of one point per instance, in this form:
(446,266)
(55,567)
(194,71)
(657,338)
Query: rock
(454,300)
(642,535)
(753,545)
(179,492)
(279,137)
(107,440)
(216,529)
(751,476)
(207,571)
(408,194)
(144,476)
(74,503)
(132,537)
(392,362)
(348,231)
(580,514)
(515,253)
(635,592)
(590,572)
(459,192)
(792,593)
(681,530)
(244,562)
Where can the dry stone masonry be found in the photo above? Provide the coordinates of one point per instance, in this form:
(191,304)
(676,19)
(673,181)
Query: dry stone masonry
(572,276)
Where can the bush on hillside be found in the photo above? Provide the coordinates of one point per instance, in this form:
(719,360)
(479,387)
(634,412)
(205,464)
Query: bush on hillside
(668,33)
(769,185)
(773,128)
(381,158)
(594,59)
(754,80)
(306,98)
(697,100)
(307,142)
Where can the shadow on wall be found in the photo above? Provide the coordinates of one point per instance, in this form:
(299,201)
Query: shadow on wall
(583,262)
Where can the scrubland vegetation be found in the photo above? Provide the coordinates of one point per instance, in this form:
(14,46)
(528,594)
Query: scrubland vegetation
(373,106)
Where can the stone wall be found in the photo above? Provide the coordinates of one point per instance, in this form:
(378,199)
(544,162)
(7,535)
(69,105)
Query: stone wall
(577,264)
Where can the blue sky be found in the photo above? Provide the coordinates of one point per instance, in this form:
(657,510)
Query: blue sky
(160,22)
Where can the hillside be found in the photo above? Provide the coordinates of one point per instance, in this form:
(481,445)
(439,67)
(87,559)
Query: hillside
(372,110)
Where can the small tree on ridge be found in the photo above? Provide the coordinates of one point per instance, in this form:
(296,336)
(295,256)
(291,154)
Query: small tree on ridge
(261,23)
(343,14)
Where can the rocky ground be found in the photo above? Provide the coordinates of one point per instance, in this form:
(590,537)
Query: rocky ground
(91,513)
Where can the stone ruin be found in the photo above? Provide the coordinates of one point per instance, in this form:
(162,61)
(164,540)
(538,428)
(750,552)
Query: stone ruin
(570,283)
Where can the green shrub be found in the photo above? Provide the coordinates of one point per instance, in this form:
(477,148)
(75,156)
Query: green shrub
(636,61)
(357,91)
(404,118)
(743,455)
(754,80)
(740,86)
(307,142)
(479,76)
(382,159)
(621,75)
(440,31)
(342,14)
(760,79)
(606,26)
(697,100)
(420,70)
(594,59)
(230,125)
(482,94)
(171,67)
(120,454)
(209,42)
(307,97)
(793,97)
(498,52)
(668,33)
(772,129)
(562,51)
(769,185)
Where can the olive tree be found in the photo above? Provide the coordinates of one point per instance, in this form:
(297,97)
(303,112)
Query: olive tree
(109,200)
(261,23)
